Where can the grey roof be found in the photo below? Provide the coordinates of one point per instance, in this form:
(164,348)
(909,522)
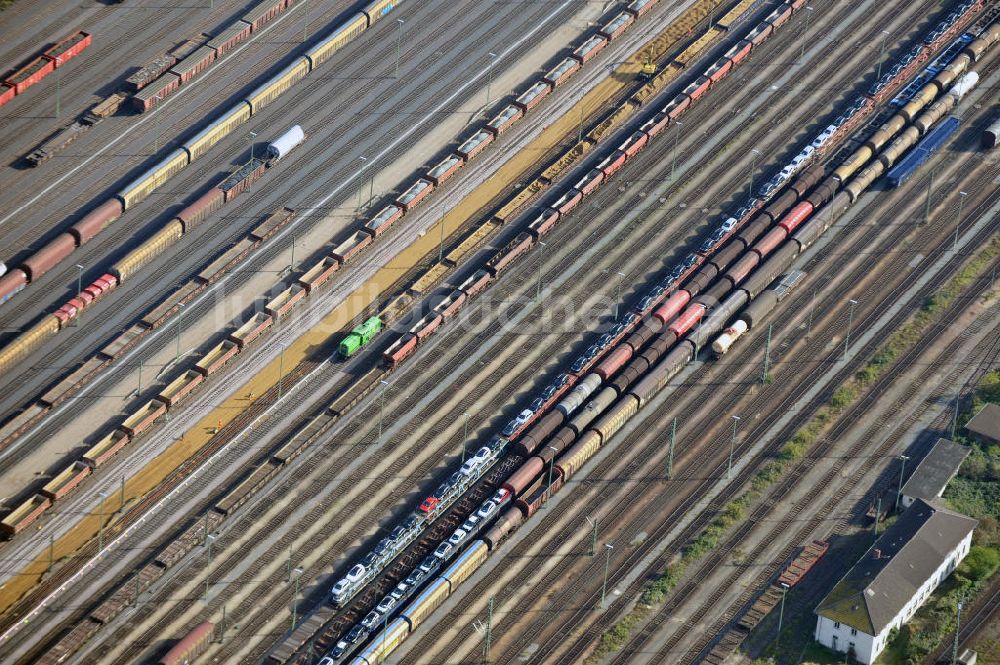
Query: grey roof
(935,470)
(874,591)
(986,423)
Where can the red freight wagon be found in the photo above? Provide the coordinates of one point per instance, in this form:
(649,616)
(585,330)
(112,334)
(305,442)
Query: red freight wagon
(779,16)
(427,325)
(759,35)
(687,320)
(612,163)
(656,125)
(698,88)
(519,245)
(476,282)
(7,93)
(770,241)
(450,305)
(719,69)
(677,106)
(30,74)
(739,52)
(568,201)
(543,222)
(68,48)
(400,349)
(634,144)
(590,182)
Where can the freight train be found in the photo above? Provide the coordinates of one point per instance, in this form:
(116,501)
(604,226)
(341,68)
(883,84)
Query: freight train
(18,82)
(657,349)
(58,249)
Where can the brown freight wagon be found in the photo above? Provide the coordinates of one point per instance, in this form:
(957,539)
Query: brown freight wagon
(284,302)
(561,72)
(142,419)
(49,256)
(24,515)
(241,180)
(475,144)
(416,193)
(533,96)
(96,221)
(505,119)
(180,388)
(149,73)
(230,37)
(263,13)
(351,246)
(66,481)
(191,646)
(274,221)
(385,218)
(216,358)
(444,169)
(502,259)
(250,330)
(194,64)
(155,92)
(106,448)
(198,210)
(317,275)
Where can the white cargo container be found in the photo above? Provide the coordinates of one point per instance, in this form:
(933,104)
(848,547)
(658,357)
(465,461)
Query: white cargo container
(285,143)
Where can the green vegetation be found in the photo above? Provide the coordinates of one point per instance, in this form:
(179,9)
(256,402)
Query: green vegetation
(795,448)
(975,492)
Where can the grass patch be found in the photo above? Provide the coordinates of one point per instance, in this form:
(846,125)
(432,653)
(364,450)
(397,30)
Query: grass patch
(794,449)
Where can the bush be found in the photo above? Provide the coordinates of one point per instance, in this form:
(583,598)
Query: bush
(980,564)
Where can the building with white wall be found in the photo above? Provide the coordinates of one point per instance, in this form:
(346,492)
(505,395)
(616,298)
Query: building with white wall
(895,577)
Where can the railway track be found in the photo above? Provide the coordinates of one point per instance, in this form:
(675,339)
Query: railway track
(814,348)
(699,435)
(794,523)
(627,472)
(971,623)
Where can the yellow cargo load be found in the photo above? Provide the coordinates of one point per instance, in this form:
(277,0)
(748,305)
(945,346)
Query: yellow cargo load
(282,81)
(337,39)
(199,144)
